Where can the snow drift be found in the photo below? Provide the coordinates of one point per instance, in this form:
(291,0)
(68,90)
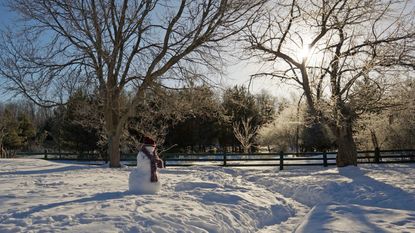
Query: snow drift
(40,195)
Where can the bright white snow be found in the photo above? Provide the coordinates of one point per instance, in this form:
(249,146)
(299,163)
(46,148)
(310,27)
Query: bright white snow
(44,196)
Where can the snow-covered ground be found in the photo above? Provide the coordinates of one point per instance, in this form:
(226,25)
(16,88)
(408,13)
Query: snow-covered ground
(45,196)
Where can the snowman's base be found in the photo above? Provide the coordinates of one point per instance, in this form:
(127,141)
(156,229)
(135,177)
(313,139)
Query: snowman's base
(139,182)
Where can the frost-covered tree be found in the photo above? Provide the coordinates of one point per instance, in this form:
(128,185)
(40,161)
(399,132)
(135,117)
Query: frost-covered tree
(391,128)
(282,133)
(245,131)
(326,47)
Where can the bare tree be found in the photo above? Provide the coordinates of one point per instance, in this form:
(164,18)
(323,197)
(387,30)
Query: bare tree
(160,110)
(326,47)
(114,45)
(245,132)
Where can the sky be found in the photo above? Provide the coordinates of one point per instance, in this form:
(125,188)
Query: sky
(240,74)
(5,15)
(237,73)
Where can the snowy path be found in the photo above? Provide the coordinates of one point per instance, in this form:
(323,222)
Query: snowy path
(42,196)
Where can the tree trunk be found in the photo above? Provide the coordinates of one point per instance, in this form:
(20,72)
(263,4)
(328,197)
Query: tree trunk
(113,127)
(114,150)
(246,149)
(347,153)
(374,138)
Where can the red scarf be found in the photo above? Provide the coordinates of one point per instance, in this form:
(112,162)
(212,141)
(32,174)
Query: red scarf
(155,162)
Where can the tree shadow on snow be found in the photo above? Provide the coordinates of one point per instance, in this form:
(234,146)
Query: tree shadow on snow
(354,202)
(96,197)
(329,218)
(47,171)
(364,190)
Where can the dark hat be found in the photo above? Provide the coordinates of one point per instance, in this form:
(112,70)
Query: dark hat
(149,141)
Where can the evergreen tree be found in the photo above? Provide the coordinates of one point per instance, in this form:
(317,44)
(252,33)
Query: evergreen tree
(199,127)
(27,131)
(79,132)
(52,129)
(11,140)
(239,106)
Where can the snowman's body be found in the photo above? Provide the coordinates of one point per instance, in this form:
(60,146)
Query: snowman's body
(139,179)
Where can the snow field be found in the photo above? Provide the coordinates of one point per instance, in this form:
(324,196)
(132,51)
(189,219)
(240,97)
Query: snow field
(44,196)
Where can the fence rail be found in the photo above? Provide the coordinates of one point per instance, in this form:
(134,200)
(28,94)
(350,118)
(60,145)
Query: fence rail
(280,160)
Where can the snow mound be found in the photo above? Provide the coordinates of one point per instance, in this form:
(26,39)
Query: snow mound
(356,218)
(186,186)
(44,196)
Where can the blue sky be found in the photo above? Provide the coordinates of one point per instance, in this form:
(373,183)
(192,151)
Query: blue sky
(238,73)
(6,17)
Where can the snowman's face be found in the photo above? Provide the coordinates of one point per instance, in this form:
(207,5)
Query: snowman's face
(141,157)
(150,148)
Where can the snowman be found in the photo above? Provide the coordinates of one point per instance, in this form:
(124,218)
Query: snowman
(144,179)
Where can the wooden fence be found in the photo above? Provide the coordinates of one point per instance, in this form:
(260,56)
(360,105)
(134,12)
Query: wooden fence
(280,160)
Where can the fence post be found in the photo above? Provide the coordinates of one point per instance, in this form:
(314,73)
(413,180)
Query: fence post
(224,158)
(165,161)
(324,158)
(281,160)
(377,155)
(46,154)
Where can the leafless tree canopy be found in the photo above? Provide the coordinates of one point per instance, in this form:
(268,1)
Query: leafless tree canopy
(245,131)
(114,45)
(337,52)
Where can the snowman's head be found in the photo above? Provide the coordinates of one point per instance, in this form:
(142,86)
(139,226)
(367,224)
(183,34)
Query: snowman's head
(148,141)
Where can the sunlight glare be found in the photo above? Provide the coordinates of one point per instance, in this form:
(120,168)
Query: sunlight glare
(304,52)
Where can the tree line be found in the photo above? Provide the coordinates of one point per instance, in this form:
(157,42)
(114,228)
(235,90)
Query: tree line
(193,119)
(199,119)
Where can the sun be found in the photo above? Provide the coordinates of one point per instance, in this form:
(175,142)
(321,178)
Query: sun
(309,55)
(304,52)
